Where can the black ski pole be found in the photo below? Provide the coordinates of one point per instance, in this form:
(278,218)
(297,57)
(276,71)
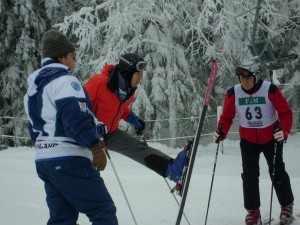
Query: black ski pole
(212,179)
(211,83)
(276,128)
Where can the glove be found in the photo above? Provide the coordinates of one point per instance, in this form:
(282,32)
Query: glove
(139,124)
(139,130)
(279,135)
(101,128)
(99,157)
(218,135)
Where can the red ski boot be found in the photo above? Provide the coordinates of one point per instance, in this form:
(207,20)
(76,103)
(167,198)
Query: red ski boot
(253,217)
(286,215)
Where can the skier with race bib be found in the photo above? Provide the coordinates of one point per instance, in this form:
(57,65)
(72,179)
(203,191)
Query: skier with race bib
(265,121)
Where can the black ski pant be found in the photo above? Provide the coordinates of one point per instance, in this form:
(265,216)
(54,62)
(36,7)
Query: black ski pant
(250,159)
(121,142)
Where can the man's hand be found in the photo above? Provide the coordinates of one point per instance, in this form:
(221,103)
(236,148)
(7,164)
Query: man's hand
(218,135)
(279,135)
(139,129)
(139,124)
(101,128)
(99,157)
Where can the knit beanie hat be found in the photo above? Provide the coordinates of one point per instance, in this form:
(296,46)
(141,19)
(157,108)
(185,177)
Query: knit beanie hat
(56,44)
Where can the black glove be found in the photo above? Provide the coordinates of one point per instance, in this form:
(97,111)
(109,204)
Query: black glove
(219,135)
(278,133)
(139,129)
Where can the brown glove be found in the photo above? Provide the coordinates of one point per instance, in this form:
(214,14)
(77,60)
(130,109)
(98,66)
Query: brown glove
(99,157)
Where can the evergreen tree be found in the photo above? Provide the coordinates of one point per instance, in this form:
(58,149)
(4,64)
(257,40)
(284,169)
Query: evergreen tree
(177,38)
(225,30)
(23,23)
(156,31)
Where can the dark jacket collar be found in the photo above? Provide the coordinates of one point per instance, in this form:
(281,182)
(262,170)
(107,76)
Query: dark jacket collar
(113,83)
(255,88)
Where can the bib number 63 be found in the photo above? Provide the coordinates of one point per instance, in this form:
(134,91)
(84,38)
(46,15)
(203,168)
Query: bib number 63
(257,113)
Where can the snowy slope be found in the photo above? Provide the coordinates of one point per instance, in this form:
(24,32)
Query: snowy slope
(22,197)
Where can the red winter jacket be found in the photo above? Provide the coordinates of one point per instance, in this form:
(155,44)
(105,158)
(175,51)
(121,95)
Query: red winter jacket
(258,135)
(106,104)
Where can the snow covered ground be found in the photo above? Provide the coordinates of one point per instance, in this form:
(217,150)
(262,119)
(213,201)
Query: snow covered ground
(22,197)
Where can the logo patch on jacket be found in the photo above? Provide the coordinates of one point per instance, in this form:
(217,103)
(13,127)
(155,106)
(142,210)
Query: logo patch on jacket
(75,85)
(82,106)
(46,145)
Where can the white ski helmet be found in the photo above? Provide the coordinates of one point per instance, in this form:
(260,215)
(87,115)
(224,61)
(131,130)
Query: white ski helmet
(248,68)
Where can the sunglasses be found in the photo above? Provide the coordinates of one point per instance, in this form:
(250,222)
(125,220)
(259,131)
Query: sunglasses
(243,72)
(139,66)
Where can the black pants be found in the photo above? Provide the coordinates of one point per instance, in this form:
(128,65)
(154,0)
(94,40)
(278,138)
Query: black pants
(250,159)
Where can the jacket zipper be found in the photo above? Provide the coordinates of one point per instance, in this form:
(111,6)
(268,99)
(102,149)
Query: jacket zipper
(256,131)
(114,118)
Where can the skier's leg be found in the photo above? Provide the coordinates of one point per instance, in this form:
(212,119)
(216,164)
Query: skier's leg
(250,162)
(281,180)
(123,143)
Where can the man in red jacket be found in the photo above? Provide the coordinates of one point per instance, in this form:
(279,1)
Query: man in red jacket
(260,106)
(112,93)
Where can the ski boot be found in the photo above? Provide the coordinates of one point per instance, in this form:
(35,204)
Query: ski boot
(286,215)
(253,217)
(175,168)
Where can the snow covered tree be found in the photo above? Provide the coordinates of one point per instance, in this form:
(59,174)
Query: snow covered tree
(156,31)
(23,22)
(177,38)
(225,30)
(173,91)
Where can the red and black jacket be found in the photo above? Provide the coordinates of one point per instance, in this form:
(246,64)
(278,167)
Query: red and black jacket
(107,106)
(258,135)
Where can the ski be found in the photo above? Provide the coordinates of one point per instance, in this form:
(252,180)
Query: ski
(211,83)
(287,222)
(267,220)
(278,223)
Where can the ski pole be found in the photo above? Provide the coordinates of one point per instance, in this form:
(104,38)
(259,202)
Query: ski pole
(276,128)
(176,200)
(211,83)
(272,187)
(212,181)
(120,184)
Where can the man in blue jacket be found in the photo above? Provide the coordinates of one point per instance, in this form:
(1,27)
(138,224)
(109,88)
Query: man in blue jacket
(69,153)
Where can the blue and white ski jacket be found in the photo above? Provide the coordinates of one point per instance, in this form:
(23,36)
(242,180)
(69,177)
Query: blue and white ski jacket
(60,121)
